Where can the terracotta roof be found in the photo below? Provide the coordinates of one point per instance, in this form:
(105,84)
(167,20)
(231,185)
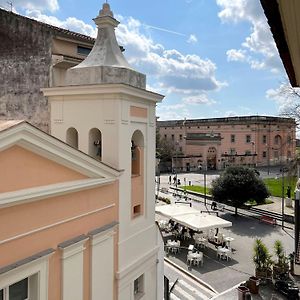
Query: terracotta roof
(57,30)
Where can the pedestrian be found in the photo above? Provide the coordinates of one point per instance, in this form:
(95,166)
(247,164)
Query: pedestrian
(170,179)
(288,192)
(174,180)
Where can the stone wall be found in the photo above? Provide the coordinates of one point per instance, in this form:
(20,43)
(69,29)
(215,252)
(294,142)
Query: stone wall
(25,59)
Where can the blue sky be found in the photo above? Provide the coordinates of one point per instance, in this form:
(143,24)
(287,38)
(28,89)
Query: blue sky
(210,58)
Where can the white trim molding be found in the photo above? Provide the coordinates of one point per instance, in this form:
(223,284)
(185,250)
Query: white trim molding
(55,224)
(38,266)
(52,190)
(31,138)
(72,268)
(105,89)
(103,255)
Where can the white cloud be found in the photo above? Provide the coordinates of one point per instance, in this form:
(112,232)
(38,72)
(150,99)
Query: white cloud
(187,75)
(172,112)
(41,5)
(285,96)
(259,48)
(230,113)
(70,23)
(192,39)
(236,55)
(198,99)
(176,72)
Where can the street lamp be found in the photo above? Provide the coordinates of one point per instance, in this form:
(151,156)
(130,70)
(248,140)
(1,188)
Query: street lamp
(204,167)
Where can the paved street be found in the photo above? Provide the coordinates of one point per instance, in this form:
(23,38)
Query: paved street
(222,275)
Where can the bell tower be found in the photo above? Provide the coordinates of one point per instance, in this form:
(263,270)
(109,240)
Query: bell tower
(105,110)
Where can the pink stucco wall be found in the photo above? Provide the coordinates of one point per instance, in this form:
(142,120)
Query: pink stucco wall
(24,218)
(176,135)
(22,169)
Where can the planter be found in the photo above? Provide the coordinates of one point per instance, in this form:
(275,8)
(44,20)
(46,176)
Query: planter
(262,274)
(242,292)
(278,270)
(253,285)
(288,202)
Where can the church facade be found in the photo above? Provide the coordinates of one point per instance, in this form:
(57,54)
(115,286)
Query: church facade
(85,197)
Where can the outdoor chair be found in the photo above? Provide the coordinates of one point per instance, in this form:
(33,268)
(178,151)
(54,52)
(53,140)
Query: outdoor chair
(189,260)
(228,255)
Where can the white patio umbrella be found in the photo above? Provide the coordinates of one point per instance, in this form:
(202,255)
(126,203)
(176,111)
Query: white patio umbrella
(173,210)
(200,222)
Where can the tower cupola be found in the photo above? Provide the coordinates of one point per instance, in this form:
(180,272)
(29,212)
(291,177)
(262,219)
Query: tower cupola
(106,62)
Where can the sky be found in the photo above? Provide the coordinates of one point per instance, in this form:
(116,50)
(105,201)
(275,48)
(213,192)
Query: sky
(210,58)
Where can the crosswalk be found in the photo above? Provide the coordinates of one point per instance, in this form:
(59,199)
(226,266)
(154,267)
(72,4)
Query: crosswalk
(186,287)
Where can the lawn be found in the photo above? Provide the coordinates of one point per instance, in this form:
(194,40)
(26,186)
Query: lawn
(275,185)
(196,188)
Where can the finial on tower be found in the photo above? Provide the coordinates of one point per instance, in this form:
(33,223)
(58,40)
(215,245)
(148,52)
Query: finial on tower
(105,11)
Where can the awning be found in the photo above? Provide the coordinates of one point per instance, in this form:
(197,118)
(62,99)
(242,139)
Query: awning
(200,222)
(172,210)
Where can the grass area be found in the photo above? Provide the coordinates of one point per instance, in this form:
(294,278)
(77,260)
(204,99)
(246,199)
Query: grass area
(197,188)
(275,185)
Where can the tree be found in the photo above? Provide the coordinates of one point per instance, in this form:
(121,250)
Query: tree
(164,148)
(237,185)
(288,98)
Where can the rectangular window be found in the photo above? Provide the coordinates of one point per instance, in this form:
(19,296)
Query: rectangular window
(83,50)
(136,210)
(180,136)
(165,136)
(232,151)
(138,287)
(264,154)
(248,152)
(173,137)
(248,138)
(264,139)
(16,291)
(276,154)
(232,138)
(180,149)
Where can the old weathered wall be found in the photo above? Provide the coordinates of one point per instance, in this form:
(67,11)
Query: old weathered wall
(25,59)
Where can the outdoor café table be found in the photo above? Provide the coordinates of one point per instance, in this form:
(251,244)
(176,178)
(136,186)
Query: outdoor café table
(228,240)
(201,241)
(195,256)
(223,252)
(173,245)
(162,224)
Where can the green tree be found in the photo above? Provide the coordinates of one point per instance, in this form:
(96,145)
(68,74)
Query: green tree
(237,185)
(164,148)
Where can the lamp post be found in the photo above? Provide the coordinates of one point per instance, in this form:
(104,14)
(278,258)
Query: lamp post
(204,167)
(253,153)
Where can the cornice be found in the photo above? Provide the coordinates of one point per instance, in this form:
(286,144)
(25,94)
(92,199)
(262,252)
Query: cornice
(39,193)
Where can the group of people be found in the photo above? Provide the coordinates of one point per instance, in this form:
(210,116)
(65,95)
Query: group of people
(180,229)
(174,180)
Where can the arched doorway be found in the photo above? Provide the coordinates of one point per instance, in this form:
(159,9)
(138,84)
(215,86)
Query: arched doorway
(211,160)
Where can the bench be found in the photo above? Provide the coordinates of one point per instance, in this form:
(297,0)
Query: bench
(220,206)
(268,220)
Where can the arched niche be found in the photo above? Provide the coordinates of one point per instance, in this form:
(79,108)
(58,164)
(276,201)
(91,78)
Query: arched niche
(277,139)
(137,146)
(95,143)
(72,137)
(137,172)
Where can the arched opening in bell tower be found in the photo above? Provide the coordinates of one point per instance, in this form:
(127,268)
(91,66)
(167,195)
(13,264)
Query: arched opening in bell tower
(72,137)
(137,174)
(95,143)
